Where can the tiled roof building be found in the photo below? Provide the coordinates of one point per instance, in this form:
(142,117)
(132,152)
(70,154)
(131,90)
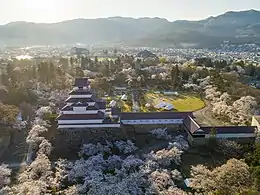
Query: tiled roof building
(84,110)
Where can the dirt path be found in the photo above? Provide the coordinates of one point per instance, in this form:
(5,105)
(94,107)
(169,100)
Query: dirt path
(205,118)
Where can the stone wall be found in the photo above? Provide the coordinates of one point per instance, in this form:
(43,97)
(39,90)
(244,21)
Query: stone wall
(67,143)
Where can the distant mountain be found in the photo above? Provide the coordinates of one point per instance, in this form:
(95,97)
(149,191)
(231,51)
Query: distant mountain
(237,27)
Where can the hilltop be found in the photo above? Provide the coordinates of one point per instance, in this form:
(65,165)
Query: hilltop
(236,27)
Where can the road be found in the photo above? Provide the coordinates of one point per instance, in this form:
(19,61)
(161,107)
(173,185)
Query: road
(204,116)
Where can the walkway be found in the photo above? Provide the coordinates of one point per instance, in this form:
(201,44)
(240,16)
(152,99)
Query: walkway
(204,116)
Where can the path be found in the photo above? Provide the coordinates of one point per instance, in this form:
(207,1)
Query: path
(204,116)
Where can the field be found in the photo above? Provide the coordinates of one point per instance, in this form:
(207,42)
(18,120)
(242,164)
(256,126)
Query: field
(181,103)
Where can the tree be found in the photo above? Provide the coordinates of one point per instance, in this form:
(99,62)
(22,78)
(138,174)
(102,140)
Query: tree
(5,174)
(254,162)
(115,51)
(201,179)
(126,147)
(161,133)
(244,108)
(44,112)
(79,72)
(212,141)
(175,73)
(8,114)
(166,157)
(229,148)
(250,70)
(230,178)
(11,75)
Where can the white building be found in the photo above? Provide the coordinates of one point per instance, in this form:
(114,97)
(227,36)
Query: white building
(84,110)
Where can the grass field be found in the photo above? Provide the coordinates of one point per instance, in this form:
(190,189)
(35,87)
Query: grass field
(182,102)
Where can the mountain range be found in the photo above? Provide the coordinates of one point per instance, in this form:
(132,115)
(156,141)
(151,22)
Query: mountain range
(235,27)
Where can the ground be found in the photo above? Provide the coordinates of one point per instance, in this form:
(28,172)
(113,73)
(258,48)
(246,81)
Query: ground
(182,102)
(204,117)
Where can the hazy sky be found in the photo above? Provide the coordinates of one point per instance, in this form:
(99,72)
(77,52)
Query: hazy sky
(58,10)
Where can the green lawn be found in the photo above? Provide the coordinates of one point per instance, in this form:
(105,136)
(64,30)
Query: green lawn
(182,102)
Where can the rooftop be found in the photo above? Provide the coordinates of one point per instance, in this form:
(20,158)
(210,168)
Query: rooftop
(81,92)
(230,129)
(82,82)
(154,115)
(257,117)
(99,115)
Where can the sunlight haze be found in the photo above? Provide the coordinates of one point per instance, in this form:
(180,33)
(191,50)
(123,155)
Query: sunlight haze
(48,11)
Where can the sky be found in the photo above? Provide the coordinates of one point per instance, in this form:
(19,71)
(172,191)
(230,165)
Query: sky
(49,11)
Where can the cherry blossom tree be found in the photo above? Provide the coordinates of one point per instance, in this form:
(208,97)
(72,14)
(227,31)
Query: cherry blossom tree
(201,179)
(45,147)
(161,133)
(173,191)
(179,142)
(161,179)
(131,163)
(34,180)
(203,83)
(5,174)
(165,157)
(211,93)
(126,147)
(245,107)
(229,148)
(230,178)
(114,162)
(42,112)
(191,86)
(62,168)
(34,138)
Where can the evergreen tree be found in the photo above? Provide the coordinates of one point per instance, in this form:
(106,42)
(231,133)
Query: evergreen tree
(212,141)
(11,75)
(175,76)
(71,61)
(79,72)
